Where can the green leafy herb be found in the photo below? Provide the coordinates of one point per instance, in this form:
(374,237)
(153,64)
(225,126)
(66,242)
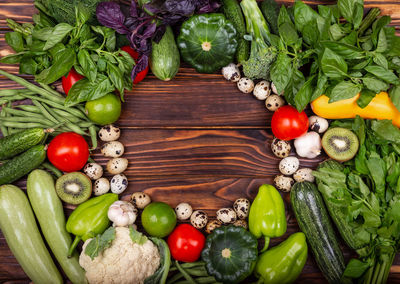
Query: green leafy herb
(100,243)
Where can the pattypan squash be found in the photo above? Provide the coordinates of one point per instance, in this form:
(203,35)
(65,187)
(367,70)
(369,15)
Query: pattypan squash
(208,42)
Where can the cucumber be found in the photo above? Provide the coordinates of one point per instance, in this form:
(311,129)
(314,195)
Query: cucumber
(18,225)
(233,12)
(270,10)
(50,214)
(165,57)
(314,221)
(19,142)
(23,164)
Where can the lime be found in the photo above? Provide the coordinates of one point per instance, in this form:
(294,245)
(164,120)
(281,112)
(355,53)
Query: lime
(104,110)
(158,219)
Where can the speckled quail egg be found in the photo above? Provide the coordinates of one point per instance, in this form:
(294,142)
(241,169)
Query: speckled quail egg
(199,219)
(119,183)
(113,149)
(93,170)
(117,165)
(241,207)
(245,85)
(231,72)
(262,90)
(226,215)
(304,174)
(183,211)
(109,133)
(212,225)
(140,199)
(273,102)
(101,186)
(283,183)
(289,165)
(241,223)
(281,148)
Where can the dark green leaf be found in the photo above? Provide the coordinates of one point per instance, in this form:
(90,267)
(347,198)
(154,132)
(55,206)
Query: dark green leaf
(85,34)
(365,98)
(355,268)
(377,169)
(394,46)
(344,90)
(358,14)
(333,65)
(12,58)
(303,14)
(288,33)
(102,64)
(128,58)
(137,237)
(377,26)
(344,50)
(100,243)
(362,64)
(281,71)
(382,42)
(375,84)
(116,77)
(321,86)
(384,74)
(350,39)
(326,12)
(88,66)
(303,96)
(386,130)
(110,39)
(336,32)
(309,34)
(381,60)
(82,14)
(394,94)
(296,81)
(347,9)
(283,16)
(367,45)
(15,41)
(28,65)
(83,90)
(57,35)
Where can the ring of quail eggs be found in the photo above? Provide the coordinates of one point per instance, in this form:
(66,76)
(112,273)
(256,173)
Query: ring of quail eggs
(242,207)
(226,215)
(199,219)
(183,211)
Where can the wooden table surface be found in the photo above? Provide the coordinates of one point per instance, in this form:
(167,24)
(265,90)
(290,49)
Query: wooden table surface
(194,139)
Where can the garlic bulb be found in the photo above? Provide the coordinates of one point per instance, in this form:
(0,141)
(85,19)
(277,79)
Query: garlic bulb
(122,213)
(308,145)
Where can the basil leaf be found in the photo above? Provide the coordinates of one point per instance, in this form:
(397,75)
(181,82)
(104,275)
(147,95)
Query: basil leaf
(333,65)
(15,41)
(303,96)
(116,77)
(394,43)
(102,64)
(111,40)
(377,26)
(344,50)
(303,14)
(381,60)
(42,34)
(294,85)
(344,90)
(12,58)
(309,34)
(336,32)
(83,90)
(347,7)
(321,86)
(288,33)
(365,98)
(127,57)
(358,14)
(89,68)
(394,94)
(384,74)
(57,35)
(386,130)
(375,84)
(350,39)
(61,66)
(326,12)
(100,243)
(28,65)
(281,72)
(382,42)
(283,16)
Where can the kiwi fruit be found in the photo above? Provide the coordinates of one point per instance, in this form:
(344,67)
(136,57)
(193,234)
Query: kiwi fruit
(74,188)
(340,144)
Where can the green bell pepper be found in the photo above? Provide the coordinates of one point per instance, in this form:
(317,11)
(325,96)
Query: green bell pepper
(267,214)
(283,263)
(90,219)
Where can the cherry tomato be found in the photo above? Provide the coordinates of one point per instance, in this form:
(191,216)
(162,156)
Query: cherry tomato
(68,152)
(287,123)
(186,243)
(135,55)
(71,79)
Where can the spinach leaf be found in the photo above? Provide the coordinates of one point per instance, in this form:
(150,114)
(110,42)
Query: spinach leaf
(283,16)
(303,96)
(15,41)
(303,14)
(281,72)
(288,33)
(344,90)
(394,94)
(333,65)
(89,68)
(309,34)
(57,35)
(384,74)
(384,129)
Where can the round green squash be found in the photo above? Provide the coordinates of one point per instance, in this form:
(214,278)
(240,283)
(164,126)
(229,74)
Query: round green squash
(230,254)
(208,42)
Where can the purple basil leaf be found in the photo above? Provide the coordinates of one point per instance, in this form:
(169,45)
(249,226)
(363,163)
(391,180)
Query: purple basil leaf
(180,7)
(207,6)
(134,10)
(140,66)
(110,15)
(159,33)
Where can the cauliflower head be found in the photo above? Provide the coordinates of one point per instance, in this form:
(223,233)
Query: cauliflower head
(124,262)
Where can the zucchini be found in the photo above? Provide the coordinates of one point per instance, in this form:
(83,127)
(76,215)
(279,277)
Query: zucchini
(233,12)
(18,225)
(270,10)
(23,164)
(314,221)
(165,57)
(50,215)
(19,142)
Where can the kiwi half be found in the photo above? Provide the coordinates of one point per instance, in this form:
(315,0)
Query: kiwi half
(74,188)
(340,144)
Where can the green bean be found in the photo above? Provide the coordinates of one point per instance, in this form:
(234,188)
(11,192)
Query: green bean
(184,273)
(32,87)
(22,113)
(3,129)
(85,124)
(53,169)
(30,108)
(27,120)
(73,127)
(93,136)
(21,124)
(12,99)
(15,92)
(192,264)
(67,115)
(44,111)
(197,271)
(207,280)
(51,90)
(175,278)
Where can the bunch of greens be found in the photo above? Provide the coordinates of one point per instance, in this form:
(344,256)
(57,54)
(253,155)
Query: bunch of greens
(363,198)
(48,51)
(146,23)
(321,54)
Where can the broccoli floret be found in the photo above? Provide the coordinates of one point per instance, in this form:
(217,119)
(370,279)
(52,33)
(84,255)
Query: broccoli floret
(261,54)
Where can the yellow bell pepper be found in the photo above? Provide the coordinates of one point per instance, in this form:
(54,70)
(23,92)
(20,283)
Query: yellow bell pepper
(380,107)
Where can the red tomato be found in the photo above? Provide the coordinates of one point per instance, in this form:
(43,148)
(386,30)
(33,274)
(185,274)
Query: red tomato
(287,123)
(135,55)
(68,152)
(186,243)
(71,79)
